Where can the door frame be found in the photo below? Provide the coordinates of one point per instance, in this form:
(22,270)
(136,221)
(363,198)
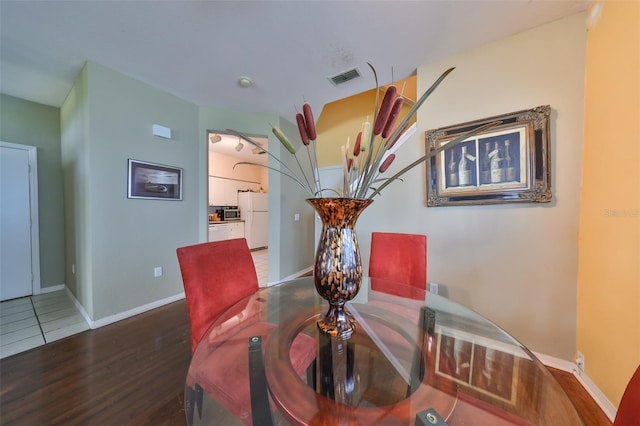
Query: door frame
(33,208)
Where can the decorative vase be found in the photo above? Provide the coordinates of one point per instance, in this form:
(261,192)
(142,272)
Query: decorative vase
(337,273)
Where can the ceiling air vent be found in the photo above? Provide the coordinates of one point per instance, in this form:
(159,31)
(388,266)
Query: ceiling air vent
(345,76)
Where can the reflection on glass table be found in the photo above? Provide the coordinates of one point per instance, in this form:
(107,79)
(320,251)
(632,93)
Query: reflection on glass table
(415,359)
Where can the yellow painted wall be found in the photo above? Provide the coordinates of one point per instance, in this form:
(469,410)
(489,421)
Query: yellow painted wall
(608,323)
(343,119)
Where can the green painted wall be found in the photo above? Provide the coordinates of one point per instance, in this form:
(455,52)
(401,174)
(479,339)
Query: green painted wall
(104,246)
(118,241)
(74,143)
(29,123)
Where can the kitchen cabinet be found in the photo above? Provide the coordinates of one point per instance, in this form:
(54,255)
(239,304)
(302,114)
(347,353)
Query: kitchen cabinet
(220,231)
(224,192)
(217,232)
(230,193)
(236,230)
(216,191)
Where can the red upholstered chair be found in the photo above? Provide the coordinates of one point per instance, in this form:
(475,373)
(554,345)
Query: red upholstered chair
(629,410)
(397,267)
(216,276)
(401,258)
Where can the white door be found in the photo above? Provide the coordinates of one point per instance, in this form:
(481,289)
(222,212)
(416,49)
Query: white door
(17,274)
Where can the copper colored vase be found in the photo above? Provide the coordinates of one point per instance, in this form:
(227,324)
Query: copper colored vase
(337,273)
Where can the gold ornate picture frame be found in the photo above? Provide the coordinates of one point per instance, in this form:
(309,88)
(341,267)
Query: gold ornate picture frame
(509,163)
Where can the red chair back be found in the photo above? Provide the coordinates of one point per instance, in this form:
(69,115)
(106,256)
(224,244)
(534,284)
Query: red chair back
(629,410)
(401,258)
(215,276)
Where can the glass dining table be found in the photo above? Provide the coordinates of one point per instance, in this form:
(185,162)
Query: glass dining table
(415,358)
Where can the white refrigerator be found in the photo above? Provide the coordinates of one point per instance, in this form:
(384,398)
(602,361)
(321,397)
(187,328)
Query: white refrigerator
(254,210)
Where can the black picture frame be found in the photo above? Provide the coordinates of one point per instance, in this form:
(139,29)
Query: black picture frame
(154,181)
(508,163)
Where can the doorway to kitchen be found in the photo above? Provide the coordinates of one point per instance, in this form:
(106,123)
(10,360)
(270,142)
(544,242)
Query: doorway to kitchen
(238,193)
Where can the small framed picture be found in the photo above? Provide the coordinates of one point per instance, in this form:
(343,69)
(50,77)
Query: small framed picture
(154,181)
(507,163)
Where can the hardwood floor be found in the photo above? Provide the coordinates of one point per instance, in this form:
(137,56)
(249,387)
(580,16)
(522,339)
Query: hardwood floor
(591,413)
(132,373)
(128,373)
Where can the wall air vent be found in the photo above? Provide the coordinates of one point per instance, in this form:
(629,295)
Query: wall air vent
(345,76)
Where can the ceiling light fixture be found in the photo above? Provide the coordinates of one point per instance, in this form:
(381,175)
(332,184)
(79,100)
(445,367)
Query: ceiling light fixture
(213,138)
(245,82)
(239,146)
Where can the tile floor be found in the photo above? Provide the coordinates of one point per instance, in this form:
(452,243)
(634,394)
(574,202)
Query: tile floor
(261,260)
(35,320)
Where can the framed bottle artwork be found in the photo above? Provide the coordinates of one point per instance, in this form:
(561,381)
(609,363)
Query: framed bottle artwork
(508,163)
(485,367)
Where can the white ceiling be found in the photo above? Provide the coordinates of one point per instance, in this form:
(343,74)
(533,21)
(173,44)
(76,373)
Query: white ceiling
(197,50)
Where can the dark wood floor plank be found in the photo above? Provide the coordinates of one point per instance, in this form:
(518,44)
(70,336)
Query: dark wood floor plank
(591,413)
(132,373)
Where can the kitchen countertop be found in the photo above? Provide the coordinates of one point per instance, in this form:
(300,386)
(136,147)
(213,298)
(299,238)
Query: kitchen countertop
(217,222)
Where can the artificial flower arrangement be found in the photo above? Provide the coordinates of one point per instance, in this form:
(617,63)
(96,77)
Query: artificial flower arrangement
(365,165)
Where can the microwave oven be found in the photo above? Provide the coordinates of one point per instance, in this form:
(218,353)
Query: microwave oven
(231,214)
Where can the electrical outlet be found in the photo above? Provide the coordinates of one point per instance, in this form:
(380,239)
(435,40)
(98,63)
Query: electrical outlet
(580,361)
(433,288)
(157,271)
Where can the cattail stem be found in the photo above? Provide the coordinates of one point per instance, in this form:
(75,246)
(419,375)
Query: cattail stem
(291,173)
(302,170)
(311,165)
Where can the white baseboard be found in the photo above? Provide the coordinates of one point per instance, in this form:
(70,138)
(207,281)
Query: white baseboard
(79,307)
(557,363)
(570,367)
(123,315)
(292,276)
(298,274)
(51,289)
(609,409)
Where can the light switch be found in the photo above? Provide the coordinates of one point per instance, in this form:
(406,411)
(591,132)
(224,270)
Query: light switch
(296,217)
